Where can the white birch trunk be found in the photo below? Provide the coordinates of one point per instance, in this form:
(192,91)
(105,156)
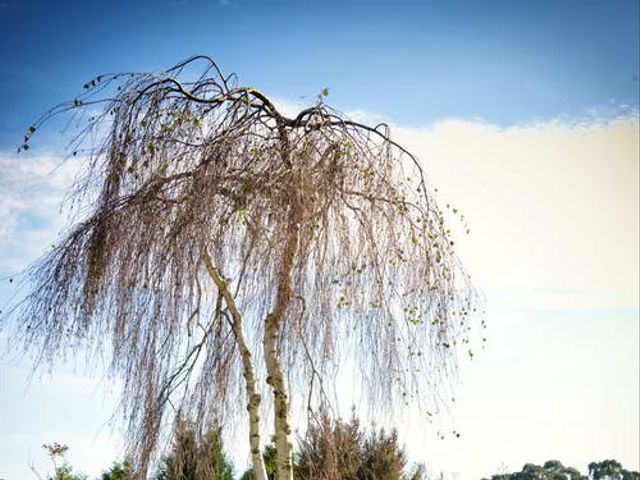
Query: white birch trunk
(277,379)
(278,384)
(253,397)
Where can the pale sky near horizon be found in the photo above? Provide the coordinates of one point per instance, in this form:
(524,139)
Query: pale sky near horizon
(532,134)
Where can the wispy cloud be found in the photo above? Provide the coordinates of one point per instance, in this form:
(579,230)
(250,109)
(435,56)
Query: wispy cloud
(32,188)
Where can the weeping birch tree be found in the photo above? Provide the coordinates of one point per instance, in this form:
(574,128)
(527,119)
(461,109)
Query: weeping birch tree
(222,249)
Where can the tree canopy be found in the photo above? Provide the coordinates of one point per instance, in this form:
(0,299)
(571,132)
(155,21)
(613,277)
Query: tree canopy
(219,242)
(197,454)
(555,470)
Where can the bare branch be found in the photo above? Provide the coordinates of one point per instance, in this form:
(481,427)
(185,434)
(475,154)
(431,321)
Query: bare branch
(191,178)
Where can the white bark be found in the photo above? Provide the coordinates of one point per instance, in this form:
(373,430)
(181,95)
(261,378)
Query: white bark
(278,384)
(253,397)
(277,379)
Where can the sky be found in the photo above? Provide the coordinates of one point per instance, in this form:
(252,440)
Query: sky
(524,115)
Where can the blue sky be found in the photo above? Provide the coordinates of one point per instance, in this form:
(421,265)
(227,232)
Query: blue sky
(525,115)
(415,62)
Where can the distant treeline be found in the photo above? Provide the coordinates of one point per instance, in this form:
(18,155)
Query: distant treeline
(555,470)
(332,449)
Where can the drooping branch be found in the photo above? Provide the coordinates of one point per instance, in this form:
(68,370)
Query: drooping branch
(315,207)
